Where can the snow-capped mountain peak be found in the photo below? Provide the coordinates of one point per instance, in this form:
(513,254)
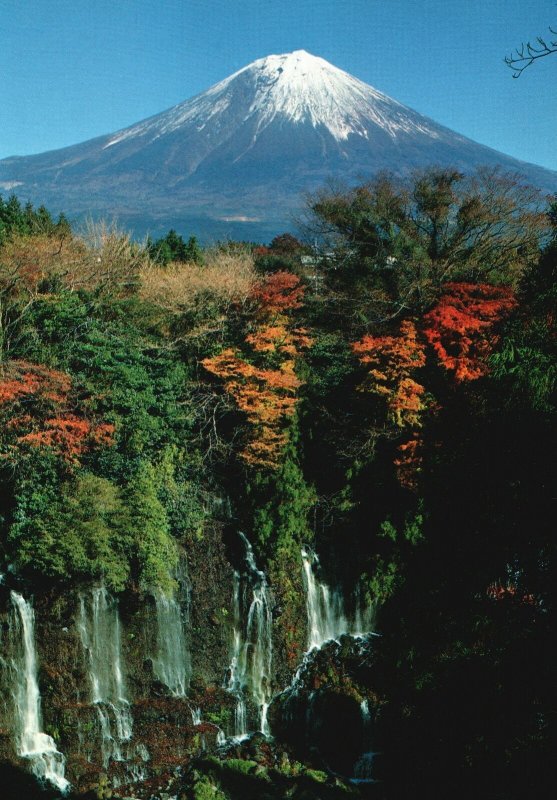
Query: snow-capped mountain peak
(297,87)
(303,87)
(238,159)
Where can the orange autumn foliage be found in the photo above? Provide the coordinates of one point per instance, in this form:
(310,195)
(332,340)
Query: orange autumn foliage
(35,403)
(266,391)
(392,359)
(409,462)
(266,396)
(69,436)
(278,292)
(278,338)
(21,379)
(509,591)
(460,326)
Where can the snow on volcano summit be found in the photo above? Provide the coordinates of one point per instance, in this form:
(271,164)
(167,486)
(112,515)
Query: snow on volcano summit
(303,87)
(237,159)
(297,87)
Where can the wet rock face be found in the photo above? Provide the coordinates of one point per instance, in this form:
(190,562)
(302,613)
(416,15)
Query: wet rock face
(210,575)
(124,700)
(334,730)
(327,714)
(17,783)
(133,689)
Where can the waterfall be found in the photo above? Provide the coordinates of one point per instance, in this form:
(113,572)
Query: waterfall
(236,681)
(252,649)
(99,629)
(366,716)
(47,763)
(172,662)
(326,617)
(196,719)
(363,768)
(324,608)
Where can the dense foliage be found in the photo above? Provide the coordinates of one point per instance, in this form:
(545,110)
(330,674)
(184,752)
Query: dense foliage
(387,395)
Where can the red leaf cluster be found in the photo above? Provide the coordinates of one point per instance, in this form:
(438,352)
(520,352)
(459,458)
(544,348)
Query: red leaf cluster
(460,326)
(36,405)
(278,292)
(22,379)
(509,591)
(409,462)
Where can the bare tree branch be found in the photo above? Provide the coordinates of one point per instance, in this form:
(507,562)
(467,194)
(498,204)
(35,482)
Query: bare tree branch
(527,53)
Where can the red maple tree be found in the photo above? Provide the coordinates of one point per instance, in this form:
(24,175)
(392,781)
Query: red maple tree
(38,411)
(460,327)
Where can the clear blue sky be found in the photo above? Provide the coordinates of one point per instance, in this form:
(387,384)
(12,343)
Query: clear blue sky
(74,69)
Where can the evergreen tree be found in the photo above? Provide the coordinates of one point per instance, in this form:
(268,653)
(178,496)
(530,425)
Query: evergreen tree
(157,554)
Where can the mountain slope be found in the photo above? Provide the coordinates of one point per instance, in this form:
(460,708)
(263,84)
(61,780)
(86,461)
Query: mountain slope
(236,158)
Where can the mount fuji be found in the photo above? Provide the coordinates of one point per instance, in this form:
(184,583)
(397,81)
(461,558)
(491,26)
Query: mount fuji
(236,159)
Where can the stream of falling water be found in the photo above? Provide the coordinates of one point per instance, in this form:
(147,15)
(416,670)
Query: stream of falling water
(99,629)
(363,768)
(252,648)
(326,616)
(172,662)
(47,763)
(327,621)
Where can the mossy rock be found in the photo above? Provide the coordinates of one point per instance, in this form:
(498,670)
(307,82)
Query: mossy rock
(245,767)
(316,775)
(205,789)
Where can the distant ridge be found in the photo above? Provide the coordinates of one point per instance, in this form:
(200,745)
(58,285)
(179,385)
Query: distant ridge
(235,159)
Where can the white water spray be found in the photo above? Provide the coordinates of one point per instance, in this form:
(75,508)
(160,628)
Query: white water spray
(47,763)
(252,648)
(99,629)
(172,662)
(326,616)
(363,768)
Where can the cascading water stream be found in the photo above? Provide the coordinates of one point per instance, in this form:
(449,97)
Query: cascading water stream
(328,621)
(99,629)
(252,649)
(363,768)
(47,763)
(326,616)
(172,662)
(236,681)
(324,608)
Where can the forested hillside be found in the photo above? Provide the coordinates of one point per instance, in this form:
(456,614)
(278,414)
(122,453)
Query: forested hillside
(303,489)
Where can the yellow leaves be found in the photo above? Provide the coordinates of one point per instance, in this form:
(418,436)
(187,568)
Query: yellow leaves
(278,338)
(271,338)
(227,365)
